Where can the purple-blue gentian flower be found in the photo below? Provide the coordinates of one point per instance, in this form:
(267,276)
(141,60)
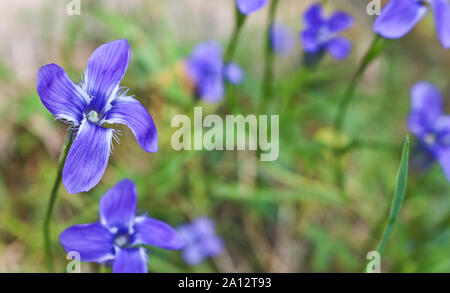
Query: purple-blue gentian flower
(250,6)
(88,106)
(398,17)
(323,34)
(207,70)
(281,39)
(201,240)
(116,237)
(429,123)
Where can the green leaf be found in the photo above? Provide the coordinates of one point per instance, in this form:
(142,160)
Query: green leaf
(397,201)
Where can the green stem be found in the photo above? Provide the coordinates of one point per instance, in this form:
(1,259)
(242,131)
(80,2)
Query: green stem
(377,46)
(240,20)
(269,55)
(51,203)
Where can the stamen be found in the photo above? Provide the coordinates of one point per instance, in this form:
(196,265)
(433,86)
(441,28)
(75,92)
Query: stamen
(430,138)
(122,240)
(93,116)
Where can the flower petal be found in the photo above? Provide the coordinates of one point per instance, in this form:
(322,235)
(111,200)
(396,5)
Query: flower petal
(441,9)
(313,16)
(105,69)
(339,48)
(118,205)
(129,111)
(93,242)
(426,98)
(398,17)
(60,95)
(156,233)
(310,43)
(87,158)
(339,22)
(212,90)
(233,73)
(249,6)
(193,254)
(130,260)
(281,39)
(444,162)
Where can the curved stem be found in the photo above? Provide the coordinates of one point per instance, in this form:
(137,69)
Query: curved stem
(269,55)
(51,203)
(240,20)
(377,46)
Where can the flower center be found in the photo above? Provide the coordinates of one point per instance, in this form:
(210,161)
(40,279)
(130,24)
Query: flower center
(324,35)
(93,116)
(430,138)
(122,240)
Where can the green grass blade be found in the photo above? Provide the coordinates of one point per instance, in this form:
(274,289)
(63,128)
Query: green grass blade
(397,201)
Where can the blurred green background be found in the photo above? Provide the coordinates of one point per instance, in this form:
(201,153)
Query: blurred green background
(281,216)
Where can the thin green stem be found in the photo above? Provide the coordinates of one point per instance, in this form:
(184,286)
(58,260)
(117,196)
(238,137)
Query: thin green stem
(269,55)
(377,46)
(240,20)
(51,203)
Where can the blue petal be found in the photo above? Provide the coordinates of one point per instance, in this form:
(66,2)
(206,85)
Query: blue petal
(339,48)
(60,95)
(118,205)
(93,242)
(249,6)
(156,233)
(130,112)
(444,162)
(281,39)
(398,17)
(441,9)
(310,43)
(130,260)
(193,254)
(426,99)
(205,62)
(233,73)
(339,22)
(87,158)
(105,69)
(212,90)
(313,16)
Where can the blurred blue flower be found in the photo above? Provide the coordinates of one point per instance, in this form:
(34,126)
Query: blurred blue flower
(114,238)
(282,40)
(96,100)
(250,6)
(207,70)
(201,240)
(398,17)
(428,122)
(322,34)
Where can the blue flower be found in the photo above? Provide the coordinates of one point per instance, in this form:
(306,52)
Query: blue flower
(428,122)
(201,240)
(323,34)
(207,70)
(98,99)
(398,17)
(250,6)
(115,237)
(281,39)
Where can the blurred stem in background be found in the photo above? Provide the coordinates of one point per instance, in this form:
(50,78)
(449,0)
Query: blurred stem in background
(268,56)
(53,195)
(229,53)
(239,23)
(376,48)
